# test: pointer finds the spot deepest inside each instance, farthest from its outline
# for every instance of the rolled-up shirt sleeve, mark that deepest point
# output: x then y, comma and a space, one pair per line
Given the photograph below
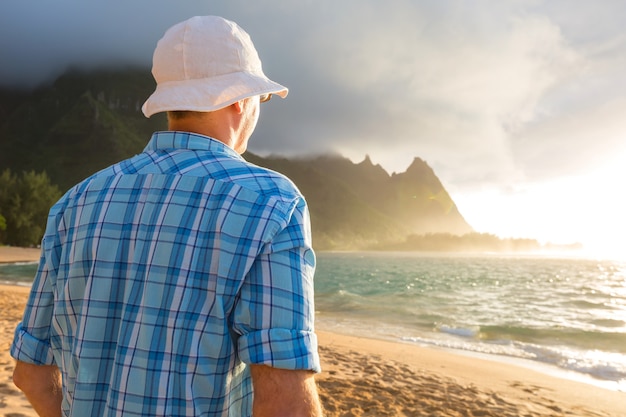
274, 316
31, 342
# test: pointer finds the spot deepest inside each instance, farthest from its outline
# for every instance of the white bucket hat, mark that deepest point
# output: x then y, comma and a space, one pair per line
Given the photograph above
204, 64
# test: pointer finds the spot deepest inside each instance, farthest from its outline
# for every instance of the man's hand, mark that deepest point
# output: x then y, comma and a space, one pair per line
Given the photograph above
42, 386
282, 392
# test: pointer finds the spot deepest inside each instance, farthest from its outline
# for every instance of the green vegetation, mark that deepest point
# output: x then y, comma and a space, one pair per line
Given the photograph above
24, 204
80, 124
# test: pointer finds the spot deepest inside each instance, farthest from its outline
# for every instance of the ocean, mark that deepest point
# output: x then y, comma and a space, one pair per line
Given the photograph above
563, 315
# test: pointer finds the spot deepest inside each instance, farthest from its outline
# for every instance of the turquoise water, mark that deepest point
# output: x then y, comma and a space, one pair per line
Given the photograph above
21, 273
563, 312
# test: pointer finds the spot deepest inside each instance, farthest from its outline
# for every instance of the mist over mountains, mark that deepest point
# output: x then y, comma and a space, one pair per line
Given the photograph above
86, 121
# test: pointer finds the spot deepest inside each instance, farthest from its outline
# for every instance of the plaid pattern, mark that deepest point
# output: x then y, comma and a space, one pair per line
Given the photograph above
162, 276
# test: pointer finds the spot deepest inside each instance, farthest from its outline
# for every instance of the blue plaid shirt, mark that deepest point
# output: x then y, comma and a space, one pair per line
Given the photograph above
162, 277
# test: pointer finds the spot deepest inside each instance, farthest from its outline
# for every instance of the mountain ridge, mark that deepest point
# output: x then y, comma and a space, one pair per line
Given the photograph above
85, 121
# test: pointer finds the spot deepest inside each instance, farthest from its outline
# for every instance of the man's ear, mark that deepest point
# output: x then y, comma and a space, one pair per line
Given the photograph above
238, 106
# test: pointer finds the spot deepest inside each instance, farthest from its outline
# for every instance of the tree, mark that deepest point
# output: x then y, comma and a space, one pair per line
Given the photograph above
24, 203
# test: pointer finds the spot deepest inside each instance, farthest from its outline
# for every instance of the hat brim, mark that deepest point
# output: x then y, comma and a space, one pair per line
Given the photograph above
205, 95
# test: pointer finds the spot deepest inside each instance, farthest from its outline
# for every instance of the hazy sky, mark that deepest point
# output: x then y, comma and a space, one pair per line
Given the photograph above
519, 106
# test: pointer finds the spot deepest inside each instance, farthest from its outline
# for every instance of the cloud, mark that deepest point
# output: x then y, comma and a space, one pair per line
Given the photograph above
41, 39
447, 84
489, 93
580, 119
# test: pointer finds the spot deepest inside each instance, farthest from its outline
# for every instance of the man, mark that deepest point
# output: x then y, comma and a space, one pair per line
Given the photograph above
179, 282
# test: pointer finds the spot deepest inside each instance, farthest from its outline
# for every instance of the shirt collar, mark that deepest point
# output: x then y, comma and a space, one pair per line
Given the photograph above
189, 141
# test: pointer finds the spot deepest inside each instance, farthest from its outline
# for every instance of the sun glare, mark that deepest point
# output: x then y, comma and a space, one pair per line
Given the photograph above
605, 226
587, 209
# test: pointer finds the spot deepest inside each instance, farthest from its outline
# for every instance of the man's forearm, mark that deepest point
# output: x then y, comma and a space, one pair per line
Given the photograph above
42, 386
281, 392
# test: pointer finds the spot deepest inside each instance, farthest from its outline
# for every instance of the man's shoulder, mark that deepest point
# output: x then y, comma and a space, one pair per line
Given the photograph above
203, 164
264, 181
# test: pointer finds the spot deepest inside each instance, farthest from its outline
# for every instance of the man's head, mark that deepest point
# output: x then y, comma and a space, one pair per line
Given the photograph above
206, 64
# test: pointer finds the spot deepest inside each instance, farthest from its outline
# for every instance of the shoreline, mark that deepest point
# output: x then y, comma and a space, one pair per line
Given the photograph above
327, 326
529, 391
528, 364
373, 377
541, 368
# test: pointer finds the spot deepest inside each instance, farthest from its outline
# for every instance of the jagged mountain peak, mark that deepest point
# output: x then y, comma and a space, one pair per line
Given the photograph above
367, 161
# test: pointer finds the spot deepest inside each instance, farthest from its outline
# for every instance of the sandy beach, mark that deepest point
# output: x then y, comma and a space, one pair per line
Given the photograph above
365, 377
14, 254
